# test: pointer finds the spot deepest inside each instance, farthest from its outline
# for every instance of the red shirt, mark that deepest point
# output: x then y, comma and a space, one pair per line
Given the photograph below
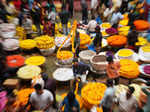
17, 4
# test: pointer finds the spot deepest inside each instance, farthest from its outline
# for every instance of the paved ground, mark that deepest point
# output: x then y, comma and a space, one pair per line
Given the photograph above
64, 87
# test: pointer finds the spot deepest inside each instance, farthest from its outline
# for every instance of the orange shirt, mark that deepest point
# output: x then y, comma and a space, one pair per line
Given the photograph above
113, 70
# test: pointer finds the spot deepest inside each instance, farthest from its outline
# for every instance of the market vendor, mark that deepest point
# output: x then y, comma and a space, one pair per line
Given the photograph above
132, 39
84, 11
77, 44
70, 103
35, 14
126, 101
97, 40
113, 70
79, 68
64, 16
52, 18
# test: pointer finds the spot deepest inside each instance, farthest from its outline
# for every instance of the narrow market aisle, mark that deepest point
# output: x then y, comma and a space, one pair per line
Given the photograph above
50, 67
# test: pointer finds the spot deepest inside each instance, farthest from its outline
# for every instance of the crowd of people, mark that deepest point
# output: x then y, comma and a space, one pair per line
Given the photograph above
26, 13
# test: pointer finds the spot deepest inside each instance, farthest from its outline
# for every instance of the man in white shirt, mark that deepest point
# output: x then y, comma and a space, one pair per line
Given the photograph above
41, 99
108, 13
127, 102
92, 25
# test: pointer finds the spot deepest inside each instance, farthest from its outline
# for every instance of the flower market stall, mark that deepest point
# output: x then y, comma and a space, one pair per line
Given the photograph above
68, 54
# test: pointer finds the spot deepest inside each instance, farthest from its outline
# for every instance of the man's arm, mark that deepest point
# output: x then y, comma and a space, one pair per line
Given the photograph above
50, 103
144, 89
51, 99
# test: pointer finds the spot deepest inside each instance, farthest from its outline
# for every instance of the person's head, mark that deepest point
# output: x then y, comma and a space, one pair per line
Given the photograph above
38, 88
117, 9
130, 91
93, 18
71, 98
75, 61
115, 25
110, 59
8, 1
44, 76
132, 37
109, 83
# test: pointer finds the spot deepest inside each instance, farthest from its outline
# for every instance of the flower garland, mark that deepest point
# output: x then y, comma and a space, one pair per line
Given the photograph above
27, 44
23, 96
129, 69
35, 60
141, 25
15, 61
117, 40
92, 93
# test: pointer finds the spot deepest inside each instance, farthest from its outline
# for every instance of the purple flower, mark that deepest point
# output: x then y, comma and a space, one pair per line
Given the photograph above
111, 31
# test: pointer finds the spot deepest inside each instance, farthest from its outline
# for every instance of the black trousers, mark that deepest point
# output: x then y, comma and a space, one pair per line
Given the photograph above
124, 6
38, 28
106, 109
84, 16
71, 11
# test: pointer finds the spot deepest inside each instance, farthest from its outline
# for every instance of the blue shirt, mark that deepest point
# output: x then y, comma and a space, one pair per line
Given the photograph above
30, 2
98, 20
148, 2
67, 106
